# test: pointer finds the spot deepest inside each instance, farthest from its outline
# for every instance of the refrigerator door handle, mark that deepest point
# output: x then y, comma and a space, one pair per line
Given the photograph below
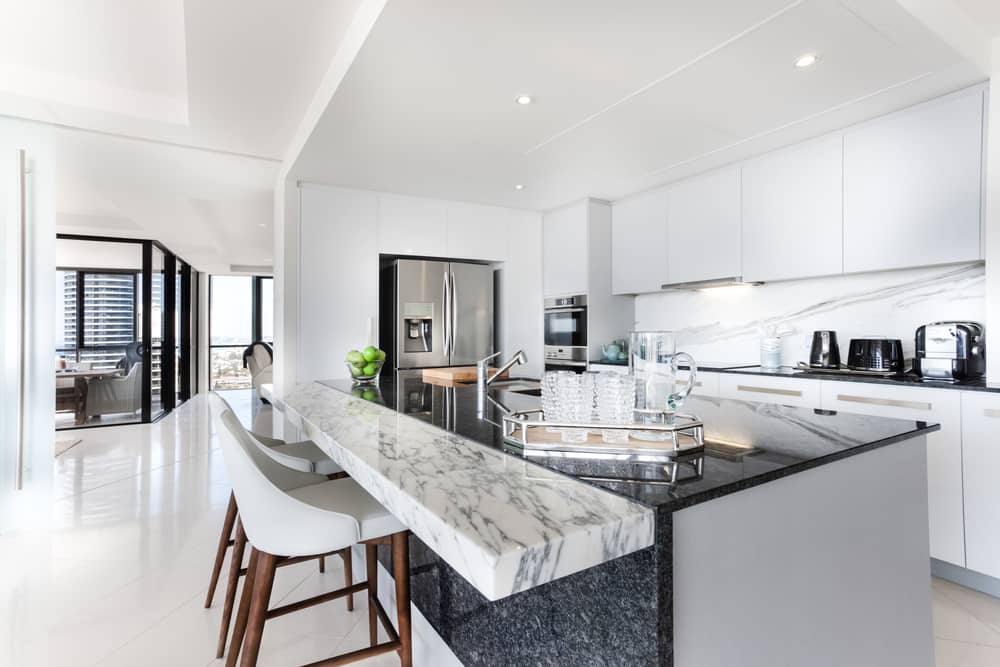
446, 315
454, 315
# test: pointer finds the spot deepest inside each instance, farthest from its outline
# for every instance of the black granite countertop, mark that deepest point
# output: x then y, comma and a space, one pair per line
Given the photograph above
907, 379
747, 443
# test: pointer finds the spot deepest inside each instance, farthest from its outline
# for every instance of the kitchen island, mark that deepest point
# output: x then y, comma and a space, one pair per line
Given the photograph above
802, 540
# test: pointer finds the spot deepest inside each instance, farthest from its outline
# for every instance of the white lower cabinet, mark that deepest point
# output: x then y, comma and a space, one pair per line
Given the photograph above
797, 392
981, 460
944, 449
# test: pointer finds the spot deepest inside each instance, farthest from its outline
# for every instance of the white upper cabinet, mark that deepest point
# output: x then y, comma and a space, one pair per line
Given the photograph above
793, 212
703, 227
566, 250
639, 244
477, 232
912, 186
412, 226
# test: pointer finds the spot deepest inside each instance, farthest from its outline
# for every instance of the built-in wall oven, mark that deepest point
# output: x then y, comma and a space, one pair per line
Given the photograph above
566, 333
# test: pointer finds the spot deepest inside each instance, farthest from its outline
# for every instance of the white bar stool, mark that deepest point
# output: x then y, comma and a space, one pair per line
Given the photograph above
284, 526
287, 472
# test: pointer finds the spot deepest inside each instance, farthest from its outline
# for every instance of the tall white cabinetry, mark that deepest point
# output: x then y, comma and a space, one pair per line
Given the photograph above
338, 278
566, 248
913, 184
577, 247
341, 233
793, 212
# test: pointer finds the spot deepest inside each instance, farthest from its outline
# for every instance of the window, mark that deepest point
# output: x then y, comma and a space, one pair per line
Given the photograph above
96, 316
241, 312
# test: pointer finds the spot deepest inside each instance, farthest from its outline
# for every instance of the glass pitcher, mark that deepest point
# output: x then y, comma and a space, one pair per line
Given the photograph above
654, 361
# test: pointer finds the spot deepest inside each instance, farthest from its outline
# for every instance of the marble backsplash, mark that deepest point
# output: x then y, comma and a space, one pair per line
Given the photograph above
724, 324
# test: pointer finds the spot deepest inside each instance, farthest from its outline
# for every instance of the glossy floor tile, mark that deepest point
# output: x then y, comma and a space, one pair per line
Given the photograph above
119, 577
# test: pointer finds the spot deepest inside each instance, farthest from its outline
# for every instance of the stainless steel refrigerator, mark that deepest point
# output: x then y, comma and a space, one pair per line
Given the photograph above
443, 313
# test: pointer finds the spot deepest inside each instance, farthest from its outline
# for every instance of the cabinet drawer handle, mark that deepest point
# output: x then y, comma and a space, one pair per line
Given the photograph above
769, 390
991, 412
697, 384
888, 402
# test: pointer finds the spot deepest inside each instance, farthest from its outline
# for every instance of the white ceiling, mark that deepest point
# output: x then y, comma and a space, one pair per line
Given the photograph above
229, 75
629, 94
986, 14
186, 108
212, 209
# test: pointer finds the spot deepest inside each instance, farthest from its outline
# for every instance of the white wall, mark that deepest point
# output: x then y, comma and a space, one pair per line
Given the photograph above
722, 325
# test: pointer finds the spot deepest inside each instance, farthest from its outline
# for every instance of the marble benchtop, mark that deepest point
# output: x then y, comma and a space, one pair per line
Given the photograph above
505, 524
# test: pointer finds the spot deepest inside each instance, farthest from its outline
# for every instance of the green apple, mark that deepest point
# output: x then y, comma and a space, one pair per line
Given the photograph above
371, 369
357, 370
381, 355
369, 395
355, 357
370, 353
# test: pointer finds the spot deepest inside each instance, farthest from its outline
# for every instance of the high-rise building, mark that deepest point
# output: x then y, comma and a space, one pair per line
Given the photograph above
110, 318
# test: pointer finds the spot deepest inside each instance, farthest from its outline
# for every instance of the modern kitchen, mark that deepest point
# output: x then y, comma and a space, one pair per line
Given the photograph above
649, 334
798, 336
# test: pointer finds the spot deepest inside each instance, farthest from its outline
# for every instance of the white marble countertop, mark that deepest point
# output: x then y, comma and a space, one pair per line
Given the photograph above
504, 524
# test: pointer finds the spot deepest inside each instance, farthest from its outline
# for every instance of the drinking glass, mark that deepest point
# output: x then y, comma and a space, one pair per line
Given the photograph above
615, 404
575, 404
654, 360
550, 406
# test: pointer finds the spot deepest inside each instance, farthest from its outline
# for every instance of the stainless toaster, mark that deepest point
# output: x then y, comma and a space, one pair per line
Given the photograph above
950, 351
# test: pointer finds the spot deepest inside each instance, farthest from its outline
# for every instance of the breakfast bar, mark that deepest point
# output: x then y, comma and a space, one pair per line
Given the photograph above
787, 538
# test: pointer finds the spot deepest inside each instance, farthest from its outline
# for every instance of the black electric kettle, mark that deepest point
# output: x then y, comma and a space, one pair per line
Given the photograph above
825, 352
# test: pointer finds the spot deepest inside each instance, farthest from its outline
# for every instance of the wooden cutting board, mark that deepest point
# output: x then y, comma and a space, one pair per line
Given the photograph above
453, 375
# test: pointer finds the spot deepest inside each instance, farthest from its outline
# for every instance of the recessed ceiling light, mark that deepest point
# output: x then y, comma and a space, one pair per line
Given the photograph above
518, 187
523, 99
807, 60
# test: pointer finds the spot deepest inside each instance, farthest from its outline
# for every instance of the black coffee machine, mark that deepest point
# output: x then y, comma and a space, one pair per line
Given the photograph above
825, 352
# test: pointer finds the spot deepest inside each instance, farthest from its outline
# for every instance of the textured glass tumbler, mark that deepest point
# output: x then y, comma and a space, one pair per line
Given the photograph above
615, 405
575, 404
550, 406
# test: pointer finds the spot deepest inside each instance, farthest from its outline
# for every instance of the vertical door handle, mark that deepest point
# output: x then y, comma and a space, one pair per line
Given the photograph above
454, 314
446, 314
22, 353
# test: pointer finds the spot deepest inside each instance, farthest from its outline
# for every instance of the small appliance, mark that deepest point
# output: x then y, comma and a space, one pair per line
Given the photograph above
950, 351
876, 354
825, 352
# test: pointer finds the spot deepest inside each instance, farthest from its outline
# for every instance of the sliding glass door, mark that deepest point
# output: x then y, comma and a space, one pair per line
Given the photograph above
123, 322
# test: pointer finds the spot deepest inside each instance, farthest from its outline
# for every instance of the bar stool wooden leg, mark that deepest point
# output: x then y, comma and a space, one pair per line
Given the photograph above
345, 555
239, 545
401, 573
262, 585
244, 611
225, 539
371, 565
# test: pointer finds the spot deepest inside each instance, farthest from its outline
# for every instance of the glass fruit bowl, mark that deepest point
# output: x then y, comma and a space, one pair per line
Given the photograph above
365, 373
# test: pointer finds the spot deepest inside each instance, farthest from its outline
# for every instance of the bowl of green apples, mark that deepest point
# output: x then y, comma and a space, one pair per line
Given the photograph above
365, 365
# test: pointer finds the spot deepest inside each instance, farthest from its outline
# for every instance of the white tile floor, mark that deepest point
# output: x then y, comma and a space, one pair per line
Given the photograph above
119, 578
